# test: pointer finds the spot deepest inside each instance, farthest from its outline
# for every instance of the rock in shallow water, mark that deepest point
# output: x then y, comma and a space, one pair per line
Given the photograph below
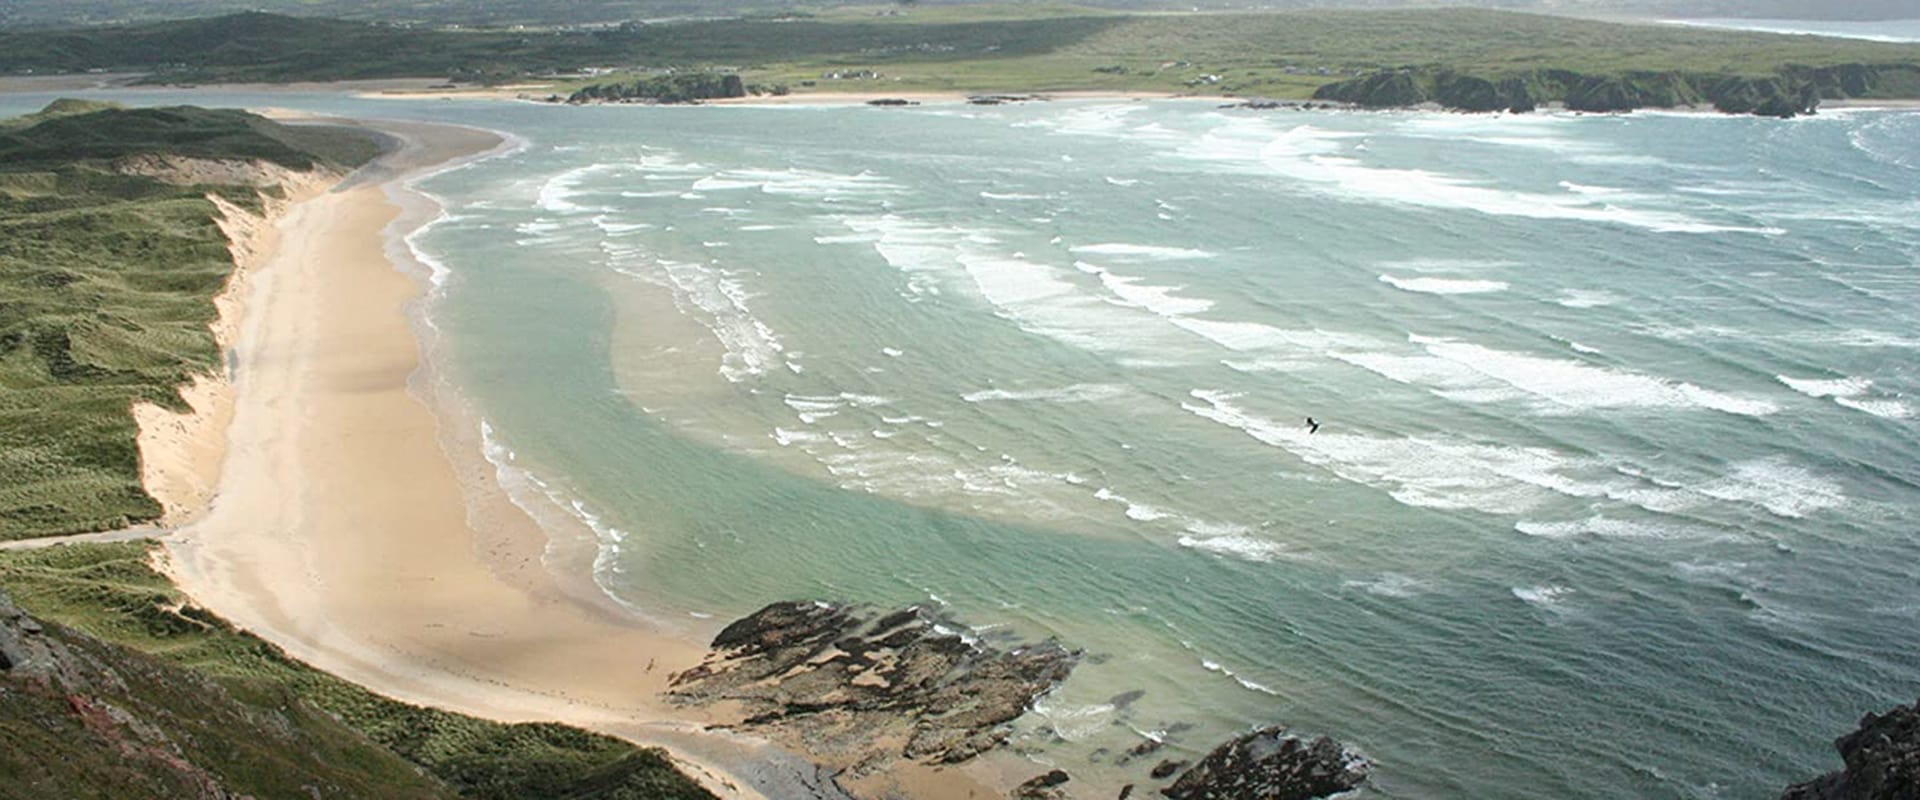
859, 688
1882, 757
1268, 764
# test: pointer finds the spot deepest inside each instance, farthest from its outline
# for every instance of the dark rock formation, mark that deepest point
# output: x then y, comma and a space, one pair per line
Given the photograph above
891, 101
1766, 97
1165, 769
690, 87
858, 688
1793, 91
1882, 758
1268, 764
1043, 787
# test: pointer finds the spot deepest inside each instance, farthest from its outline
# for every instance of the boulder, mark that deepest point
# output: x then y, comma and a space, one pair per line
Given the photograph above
1882, 761
1043, 787
1165, 769
1269, 764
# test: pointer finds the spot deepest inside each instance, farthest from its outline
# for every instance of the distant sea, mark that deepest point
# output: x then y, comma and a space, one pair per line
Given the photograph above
1615, 486
1898, 30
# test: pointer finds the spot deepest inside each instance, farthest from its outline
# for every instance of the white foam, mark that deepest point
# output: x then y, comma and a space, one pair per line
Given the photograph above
1157, 299
1850, 392
1324, 162
1586, 298
1447, 473
557, 195
1388, 584
1237, 545
1886, 409
1139, 512
1781, 487
1214, 666
1610, 528
720, 301
1074, 723
1143, 252
1546, 597
1574, 385
1443, 285
1077, 393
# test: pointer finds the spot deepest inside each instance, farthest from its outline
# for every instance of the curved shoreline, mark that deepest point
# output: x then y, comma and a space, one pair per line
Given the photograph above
341, 530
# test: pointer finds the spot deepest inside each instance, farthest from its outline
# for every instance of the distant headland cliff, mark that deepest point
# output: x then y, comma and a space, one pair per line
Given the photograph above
1793, 91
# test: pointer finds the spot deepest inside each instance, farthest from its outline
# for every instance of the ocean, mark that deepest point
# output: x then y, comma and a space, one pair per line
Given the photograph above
1893, 30
1614, 486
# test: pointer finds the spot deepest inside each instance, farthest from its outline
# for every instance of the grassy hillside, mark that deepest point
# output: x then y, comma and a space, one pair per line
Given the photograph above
61, 13
106, 287
1008, 47
153, 699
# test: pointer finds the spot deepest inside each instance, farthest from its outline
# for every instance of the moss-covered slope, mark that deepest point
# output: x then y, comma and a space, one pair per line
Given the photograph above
107, 282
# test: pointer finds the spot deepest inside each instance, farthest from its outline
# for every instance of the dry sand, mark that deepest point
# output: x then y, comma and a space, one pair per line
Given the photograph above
356, 526
339, 530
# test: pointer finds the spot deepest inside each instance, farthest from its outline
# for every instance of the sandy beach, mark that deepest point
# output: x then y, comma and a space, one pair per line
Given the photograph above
330, 501
340, 526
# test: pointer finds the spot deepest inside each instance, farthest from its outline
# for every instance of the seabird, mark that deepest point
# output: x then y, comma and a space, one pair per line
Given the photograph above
1312, 426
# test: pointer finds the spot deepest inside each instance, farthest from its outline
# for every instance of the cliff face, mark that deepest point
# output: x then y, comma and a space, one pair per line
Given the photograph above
1882, 758
1795, 91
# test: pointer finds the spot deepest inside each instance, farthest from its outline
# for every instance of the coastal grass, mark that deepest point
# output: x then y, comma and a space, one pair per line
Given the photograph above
109, 592
1005, 47
107, 282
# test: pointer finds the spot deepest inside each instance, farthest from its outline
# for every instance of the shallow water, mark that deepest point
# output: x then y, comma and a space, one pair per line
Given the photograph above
1613, 493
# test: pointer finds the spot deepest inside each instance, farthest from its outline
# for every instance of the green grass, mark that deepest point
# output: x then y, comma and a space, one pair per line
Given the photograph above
1011, 47
106, 294
233, 680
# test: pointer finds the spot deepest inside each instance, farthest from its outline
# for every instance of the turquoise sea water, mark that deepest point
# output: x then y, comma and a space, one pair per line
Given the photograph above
1614, 493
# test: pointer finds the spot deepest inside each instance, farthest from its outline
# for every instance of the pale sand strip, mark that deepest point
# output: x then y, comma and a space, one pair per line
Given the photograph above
181, 452
340, 528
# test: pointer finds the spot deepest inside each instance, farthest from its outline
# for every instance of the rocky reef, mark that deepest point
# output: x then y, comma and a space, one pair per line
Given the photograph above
858, 689
1269, 764
861, 688
1882, 761
1794, 91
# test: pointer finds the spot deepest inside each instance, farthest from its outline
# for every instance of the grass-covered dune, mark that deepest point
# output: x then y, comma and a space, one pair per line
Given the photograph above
126, 692
107, 282
986, 48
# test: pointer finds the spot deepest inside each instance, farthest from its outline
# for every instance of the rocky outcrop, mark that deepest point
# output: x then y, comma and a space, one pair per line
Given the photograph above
686, 87
1882, 758
1269, 764
857, 688
1794, 91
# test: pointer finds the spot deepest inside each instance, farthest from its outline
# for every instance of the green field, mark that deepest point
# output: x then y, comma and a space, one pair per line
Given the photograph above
963, 48
234, 708
106, 294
